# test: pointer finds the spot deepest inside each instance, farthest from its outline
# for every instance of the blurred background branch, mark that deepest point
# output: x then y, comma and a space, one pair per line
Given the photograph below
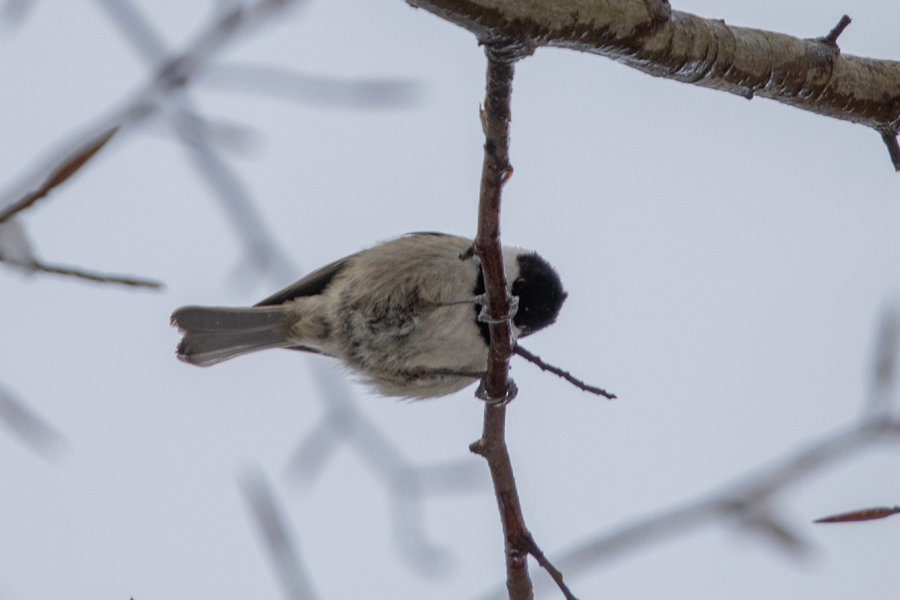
28, 427
166, 94
17, 252
279, 541
406, 484
639, 321
750, 502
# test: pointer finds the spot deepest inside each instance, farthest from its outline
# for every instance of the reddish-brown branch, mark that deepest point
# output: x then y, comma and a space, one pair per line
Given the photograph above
492, 446
810, 74
497, 389
535, 359
495, 118
538, 555
495, 121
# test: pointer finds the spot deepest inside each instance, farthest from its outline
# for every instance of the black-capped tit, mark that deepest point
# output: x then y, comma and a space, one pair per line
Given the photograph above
400, 315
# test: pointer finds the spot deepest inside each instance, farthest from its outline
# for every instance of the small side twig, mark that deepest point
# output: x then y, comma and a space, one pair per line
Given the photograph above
833, 35
890, 140
312, 90
747, 502
535, 359
538, 555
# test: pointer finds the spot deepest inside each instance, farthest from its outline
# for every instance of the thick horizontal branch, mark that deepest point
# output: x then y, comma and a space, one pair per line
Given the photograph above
648, 35
745, 502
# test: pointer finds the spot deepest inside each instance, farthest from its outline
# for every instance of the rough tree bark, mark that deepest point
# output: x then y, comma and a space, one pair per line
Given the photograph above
811, 74
497, 389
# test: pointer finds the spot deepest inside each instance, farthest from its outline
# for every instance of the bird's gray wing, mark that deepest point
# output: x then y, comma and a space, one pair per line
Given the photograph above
317, 281
310, 285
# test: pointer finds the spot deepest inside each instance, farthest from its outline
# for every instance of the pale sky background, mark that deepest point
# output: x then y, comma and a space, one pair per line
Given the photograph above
726, 260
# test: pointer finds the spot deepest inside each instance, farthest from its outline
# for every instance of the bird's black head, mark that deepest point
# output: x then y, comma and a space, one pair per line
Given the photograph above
540, 294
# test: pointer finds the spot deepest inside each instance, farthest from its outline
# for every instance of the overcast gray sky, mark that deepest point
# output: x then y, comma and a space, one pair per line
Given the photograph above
726, 260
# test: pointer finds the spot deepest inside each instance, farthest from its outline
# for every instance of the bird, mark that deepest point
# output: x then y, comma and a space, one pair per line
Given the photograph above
404, 315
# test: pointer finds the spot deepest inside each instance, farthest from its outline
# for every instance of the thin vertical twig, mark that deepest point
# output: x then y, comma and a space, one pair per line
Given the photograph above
496, 170
495, 117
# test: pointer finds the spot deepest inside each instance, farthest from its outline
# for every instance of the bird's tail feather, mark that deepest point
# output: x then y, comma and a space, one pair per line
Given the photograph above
212, 335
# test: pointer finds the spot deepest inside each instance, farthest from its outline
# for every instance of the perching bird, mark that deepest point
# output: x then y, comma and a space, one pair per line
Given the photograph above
400, 315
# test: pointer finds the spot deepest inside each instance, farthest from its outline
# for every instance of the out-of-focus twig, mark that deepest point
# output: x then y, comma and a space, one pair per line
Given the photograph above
748, 502
15, 247
884, 363
167, 96
16, 252
173, 73
176, 71
343, 420
866, 514
14, 12
407, 484
261, 250
28, 427
60, 174
126, 280
326, 92
294, 579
